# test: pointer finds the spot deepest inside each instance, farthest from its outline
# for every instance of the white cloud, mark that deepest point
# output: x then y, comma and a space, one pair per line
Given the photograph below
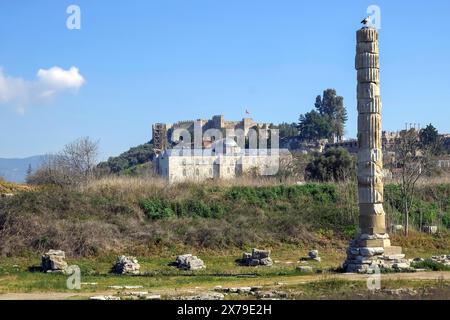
59, 78
48, 83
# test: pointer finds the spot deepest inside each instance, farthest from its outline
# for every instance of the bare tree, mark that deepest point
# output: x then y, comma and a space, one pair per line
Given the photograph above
74, 165
413, 160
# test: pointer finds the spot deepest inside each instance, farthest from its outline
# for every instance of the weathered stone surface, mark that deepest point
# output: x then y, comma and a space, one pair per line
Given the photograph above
371, 251
189, 262
313, 254
370, 47
372, 223
256, 258
54, 261
367, 35
368, 90
104, 298
375, 243
266, 262
126, 265
369, 75
369, 105
203, 296
365, 236
367, 60
392, 250
260, 254
367, 155
370, 194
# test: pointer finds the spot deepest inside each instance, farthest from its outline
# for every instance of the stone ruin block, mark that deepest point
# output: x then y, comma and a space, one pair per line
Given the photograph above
54, 261
256, 258
189, 262
126, 265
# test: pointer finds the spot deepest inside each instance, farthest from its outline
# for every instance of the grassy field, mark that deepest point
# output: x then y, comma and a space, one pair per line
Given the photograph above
22, 275
216, 221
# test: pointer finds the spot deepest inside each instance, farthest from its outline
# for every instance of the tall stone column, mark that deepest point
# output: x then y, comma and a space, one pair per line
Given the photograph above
372, 246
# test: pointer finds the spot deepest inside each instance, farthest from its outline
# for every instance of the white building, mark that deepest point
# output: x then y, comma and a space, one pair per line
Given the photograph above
223, 159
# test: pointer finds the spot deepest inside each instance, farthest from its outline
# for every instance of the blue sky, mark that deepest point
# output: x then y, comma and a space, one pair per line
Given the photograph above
163, 61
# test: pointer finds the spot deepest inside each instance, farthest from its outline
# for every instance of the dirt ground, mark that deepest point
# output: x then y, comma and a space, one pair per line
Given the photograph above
417, 276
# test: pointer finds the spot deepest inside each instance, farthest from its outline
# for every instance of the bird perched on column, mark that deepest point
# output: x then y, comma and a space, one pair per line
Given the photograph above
366, 21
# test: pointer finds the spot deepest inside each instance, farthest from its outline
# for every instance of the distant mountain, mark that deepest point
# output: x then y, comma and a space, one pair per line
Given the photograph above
15, 170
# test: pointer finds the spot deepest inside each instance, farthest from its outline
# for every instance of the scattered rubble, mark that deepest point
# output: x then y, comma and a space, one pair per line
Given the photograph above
104, 298
139, 295
238, 290
125, 287
368, 253
444, 259
54, 261
126, 265
272, 295
189, 262
256, 258
203, 296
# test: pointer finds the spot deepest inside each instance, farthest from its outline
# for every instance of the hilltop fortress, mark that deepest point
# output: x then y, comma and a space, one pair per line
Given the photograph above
166, 135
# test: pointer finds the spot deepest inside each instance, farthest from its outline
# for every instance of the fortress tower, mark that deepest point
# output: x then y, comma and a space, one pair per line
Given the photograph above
372, 247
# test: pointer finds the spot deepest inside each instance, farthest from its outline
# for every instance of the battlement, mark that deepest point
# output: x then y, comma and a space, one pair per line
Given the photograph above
216, 122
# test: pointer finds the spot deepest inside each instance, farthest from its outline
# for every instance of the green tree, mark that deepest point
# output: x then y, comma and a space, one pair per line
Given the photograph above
413, 161
287, 130
331, 106
430, 139
335, 164
328, 119
129, 159
313, 126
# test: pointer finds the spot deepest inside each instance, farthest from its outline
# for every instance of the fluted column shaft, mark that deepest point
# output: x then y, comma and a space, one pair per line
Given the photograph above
370, 157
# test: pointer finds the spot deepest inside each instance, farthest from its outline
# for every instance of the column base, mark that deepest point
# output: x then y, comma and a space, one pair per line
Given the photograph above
367, 252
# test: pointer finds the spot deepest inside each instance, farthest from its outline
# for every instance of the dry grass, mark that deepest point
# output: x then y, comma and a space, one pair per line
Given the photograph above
133, 189
425, 181
8, 187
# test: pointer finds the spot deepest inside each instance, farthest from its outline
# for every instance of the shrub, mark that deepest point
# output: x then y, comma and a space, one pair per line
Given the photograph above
157, 208
430, 265
335, 164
